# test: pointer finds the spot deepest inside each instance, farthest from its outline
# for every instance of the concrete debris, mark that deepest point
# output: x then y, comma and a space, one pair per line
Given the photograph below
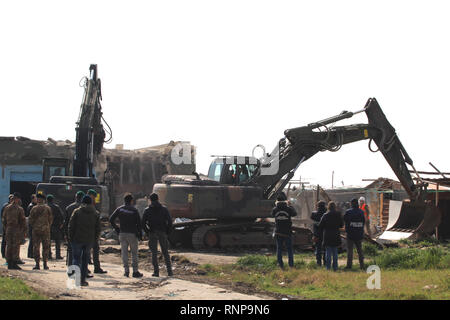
111, 250
108, 241
110, 234
429, 287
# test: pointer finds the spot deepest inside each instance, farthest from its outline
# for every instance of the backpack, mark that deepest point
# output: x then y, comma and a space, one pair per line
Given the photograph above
283, 223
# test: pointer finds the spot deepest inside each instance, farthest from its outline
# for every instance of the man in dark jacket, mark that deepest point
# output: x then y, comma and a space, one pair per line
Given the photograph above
283, 228
316, 216
96, 246
157, 223
69, 211
130, 232
84, 231
30, 231
329, 226
56, 230
354, 226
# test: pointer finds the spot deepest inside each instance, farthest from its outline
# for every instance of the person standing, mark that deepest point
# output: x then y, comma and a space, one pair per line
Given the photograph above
365, 208
30, 231
282, 212
56, 230
83, 231
329, 226
10, 200
69, 211
40, 221
130, 232
157, 223
14, 223
316, 216
354, 227
96, 246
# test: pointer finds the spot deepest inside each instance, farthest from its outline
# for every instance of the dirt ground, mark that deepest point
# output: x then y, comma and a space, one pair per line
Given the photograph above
187, 283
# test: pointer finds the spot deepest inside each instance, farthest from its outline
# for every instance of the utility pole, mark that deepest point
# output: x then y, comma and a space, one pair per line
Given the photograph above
332, 179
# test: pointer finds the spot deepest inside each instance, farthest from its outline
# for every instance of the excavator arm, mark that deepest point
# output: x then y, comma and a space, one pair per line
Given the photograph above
90, 134
300, 144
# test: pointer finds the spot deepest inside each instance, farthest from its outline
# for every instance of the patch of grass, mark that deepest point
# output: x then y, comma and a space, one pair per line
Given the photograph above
424, 242
413, 258
369, 249
406, 242
15, 289
312, 265
406, 273
258, 262
298, 264
209, 268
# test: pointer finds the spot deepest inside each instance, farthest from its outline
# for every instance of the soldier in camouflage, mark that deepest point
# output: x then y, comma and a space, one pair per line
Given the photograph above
10, 200
41, 219
14, 224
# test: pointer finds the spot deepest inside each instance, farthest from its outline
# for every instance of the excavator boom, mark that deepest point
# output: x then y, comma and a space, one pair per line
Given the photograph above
302, 143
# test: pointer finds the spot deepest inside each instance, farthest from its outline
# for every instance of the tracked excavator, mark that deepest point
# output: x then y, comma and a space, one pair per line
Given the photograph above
222, 210
90, 137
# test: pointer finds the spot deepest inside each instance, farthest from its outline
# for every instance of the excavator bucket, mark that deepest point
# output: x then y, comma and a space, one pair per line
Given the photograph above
409, 220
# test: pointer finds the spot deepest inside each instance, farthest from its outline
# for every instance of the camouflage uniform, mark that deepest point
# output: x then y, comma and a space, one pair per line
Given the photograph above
14, 222
41, 219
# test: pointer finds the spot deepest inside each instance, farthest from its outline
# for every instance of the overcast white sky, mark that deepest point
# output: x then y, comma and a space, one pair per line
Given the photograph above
228, 75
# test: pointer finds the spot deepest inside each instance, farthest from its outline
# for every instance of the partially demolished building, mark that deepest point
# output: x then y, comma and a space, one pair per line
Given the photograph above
122, 170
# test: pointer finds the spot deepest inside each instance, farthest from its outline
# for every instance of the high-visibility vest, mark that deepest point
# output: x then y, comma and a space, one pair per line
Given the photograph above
363, 208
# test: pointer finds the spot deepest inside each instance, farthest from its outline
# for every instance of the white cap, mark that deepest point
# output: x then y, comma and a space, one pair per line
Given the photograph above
362, 199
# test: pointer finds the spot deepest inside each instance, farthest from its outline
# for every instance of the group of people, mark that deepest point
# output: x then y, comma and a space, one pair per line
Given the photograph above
46, 222
156, 223
327, 236
328, 222
80, 227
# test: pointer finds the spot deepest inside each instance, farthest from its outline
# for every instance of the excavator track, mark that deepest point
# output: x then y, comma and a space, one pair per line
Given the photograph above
205, 237
244, 235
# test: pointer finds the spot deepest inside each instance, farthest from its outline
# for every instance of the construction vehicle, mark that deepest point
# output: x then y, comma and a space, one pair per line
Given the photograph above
222, 209
90, 137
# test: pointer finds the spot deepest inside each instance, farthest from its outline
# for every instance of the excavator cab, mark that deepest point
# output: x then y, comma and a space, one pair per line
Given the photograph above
232, 170
54, 167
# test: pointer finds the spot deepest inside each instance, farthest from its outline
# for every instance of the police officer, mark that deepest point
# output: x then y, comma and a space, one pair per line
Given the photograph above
57, 226
69, 210
30, 231
96, 246
354, 226
316, 216
14, 223
40, 220
282, 212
